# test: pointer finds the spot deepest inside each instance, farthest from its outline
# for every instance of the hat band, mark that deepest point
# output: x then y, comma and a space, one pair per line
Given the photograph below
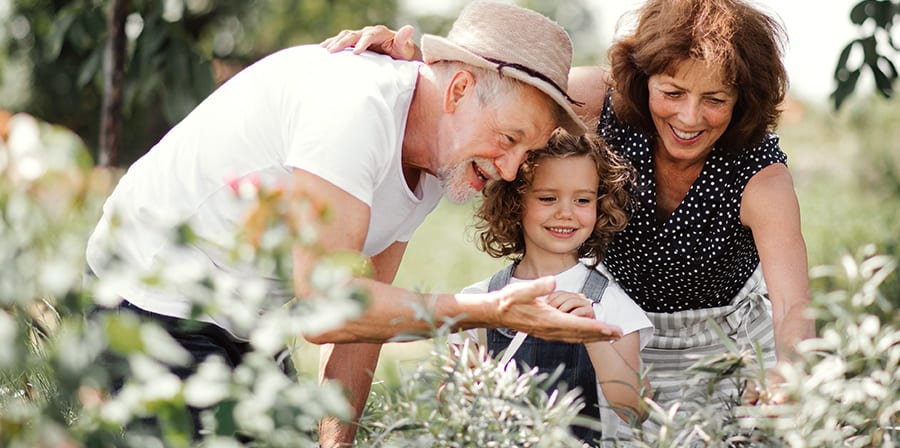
534, 73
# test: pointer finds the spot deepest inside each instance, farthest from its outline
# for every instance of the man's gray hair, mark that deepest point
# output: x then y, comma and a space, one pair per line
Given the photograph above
490, 85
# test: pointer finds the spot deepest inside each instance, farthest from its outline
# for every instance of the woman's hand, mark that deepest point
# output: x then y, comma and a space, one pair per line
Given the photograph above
770, 393
378, 38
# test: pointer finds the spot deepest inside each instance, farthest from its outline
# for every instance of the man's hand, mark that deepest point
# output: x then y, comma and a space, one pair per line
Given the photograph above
377, 38
519, 308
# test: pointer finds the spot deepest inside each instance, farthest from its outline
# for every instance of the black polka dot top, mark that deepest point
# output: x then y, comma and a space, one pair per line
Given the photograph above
702, 255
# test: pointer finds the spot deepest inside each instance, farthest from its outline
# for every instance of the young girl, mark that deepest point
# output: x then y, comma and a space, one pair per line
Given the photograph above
556, 218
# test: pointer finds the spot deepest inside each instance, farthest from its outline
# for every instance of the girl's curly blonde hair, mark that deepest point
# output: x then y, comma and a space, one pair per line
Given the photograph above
499, 215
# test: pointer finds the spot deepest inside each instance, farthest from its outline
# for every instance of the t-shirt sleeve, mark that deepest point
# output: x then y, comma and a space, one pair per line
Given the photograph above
343, 137
617, 308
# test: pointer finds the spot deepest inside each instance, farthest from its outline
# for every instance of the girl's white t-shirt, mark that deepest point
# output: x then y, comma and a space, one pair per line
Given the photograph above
615, 307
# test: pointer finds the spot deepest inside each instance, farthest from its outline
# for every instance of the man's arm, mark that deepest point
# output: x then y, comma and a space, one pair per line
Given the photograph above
391, 310
354, 364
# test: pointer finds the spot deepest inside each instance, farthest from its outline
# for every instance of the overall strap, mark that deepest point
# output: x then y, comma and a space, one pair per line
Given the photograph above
595, 285
501, 278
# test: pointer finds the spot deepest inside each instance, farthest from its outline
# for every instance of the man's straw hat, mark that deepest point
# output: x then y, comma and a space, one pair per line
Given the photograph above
517, 42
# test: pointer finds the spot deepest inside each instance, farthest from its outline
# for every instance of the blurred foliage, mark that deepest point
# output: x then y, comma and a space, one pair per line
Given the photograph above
874, 51
845, 168
469, 401
170, 57
56, 369
54, 389
178, 50
55, 383
844, 388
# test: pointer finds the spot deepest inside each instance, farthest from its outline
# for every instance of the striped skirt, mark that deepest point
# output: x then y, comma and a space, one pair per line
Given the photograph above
681, 339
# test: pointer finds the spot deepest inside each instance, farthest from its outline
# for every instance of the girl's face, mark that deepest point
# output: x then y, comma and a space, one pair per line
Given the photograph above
560, 208
690, 109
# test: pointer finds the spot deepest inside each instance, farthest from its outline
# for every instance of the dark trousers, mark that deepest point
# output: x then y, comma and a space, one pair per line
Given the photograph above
547, 356
200, 339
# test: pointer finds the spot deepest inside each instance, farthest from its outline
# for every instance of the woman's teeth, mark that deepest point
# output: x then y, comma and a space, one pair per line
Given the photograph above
686, 135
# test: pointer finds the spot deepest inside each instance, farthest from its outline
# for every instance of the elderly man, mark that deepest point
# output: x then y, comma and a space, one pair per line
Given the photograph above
379, 141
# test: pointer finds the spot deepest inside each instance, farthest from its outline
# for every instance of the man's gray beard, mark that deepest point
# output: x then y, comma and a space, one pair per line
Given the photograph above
454, 185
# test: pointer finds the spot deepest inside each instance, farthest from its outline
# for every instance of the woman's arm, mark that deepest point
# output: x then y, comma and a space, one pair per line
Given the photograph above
771, 210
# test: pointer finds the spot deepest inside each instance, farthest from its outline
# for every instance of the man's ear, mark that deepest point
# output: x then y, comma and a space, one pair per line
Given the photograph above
460, 87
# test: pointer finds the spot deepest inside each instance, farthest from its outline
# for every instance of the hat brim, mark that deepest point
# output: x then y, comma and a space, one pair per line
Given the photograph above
436, 48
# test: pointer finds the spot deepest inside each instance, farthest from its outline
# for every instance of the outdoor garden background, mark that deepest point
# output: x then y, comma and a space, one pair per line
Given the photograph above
82, 105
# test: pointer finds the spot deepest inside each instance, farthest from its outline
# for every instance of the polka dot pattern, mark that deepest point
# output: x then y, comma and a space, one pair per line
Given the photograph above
702, 255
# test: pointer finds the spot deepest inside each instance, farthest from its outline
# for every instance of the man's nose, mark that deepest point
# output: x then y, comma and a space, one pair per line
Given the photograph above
508, 165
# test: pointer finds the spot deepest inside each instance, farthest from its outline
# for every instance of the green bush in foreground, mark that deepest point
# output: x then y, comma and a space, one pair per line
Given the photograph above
54, 388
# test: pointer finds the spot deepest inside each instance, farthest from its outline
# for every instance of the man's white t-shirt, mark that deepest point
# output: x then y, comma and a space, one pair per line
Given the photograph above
615, 307
339, 116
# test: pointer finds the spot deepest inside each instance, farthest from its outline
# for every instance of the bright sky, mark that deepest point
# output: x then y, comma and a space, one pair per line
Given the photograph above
817, 32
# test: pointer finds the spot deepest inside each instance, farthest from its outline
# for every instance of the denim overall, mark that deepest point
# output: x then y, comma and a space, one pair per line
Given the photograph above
547, 356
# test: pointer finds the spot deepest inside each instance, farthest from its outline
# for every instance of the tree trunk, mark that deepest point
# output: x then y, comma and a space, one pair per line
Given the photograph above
113, 80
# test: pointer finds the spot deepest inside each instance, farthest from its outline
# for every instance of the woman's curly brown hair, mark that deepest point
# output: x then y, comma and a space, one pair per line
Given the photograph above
731, 35
499, 230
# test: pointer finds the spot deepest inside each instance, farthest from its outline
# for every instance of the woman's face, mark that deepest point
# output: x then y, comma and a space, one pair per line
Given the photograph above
691, 109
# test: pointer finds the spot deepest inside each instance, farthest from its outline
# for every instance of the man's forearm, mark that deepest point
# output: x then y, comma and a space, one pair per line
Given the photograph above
352, 365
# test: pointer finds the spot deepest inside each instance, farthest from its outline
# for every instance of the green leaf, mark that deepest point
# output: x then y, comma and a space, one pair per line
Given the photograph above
61, 25
176, 424
123, 331
841, 66
845, 88
224, 413
885, 75
91, 67
861, 11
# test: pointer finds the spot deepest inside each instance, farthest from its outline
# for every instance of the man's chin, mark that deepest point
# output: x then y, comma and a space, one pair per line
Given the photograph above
460, 195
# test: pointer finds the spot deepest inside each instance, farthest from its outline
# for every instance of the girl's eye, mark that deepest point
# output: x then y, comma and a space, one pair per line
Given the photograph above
584, 201
546, 198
